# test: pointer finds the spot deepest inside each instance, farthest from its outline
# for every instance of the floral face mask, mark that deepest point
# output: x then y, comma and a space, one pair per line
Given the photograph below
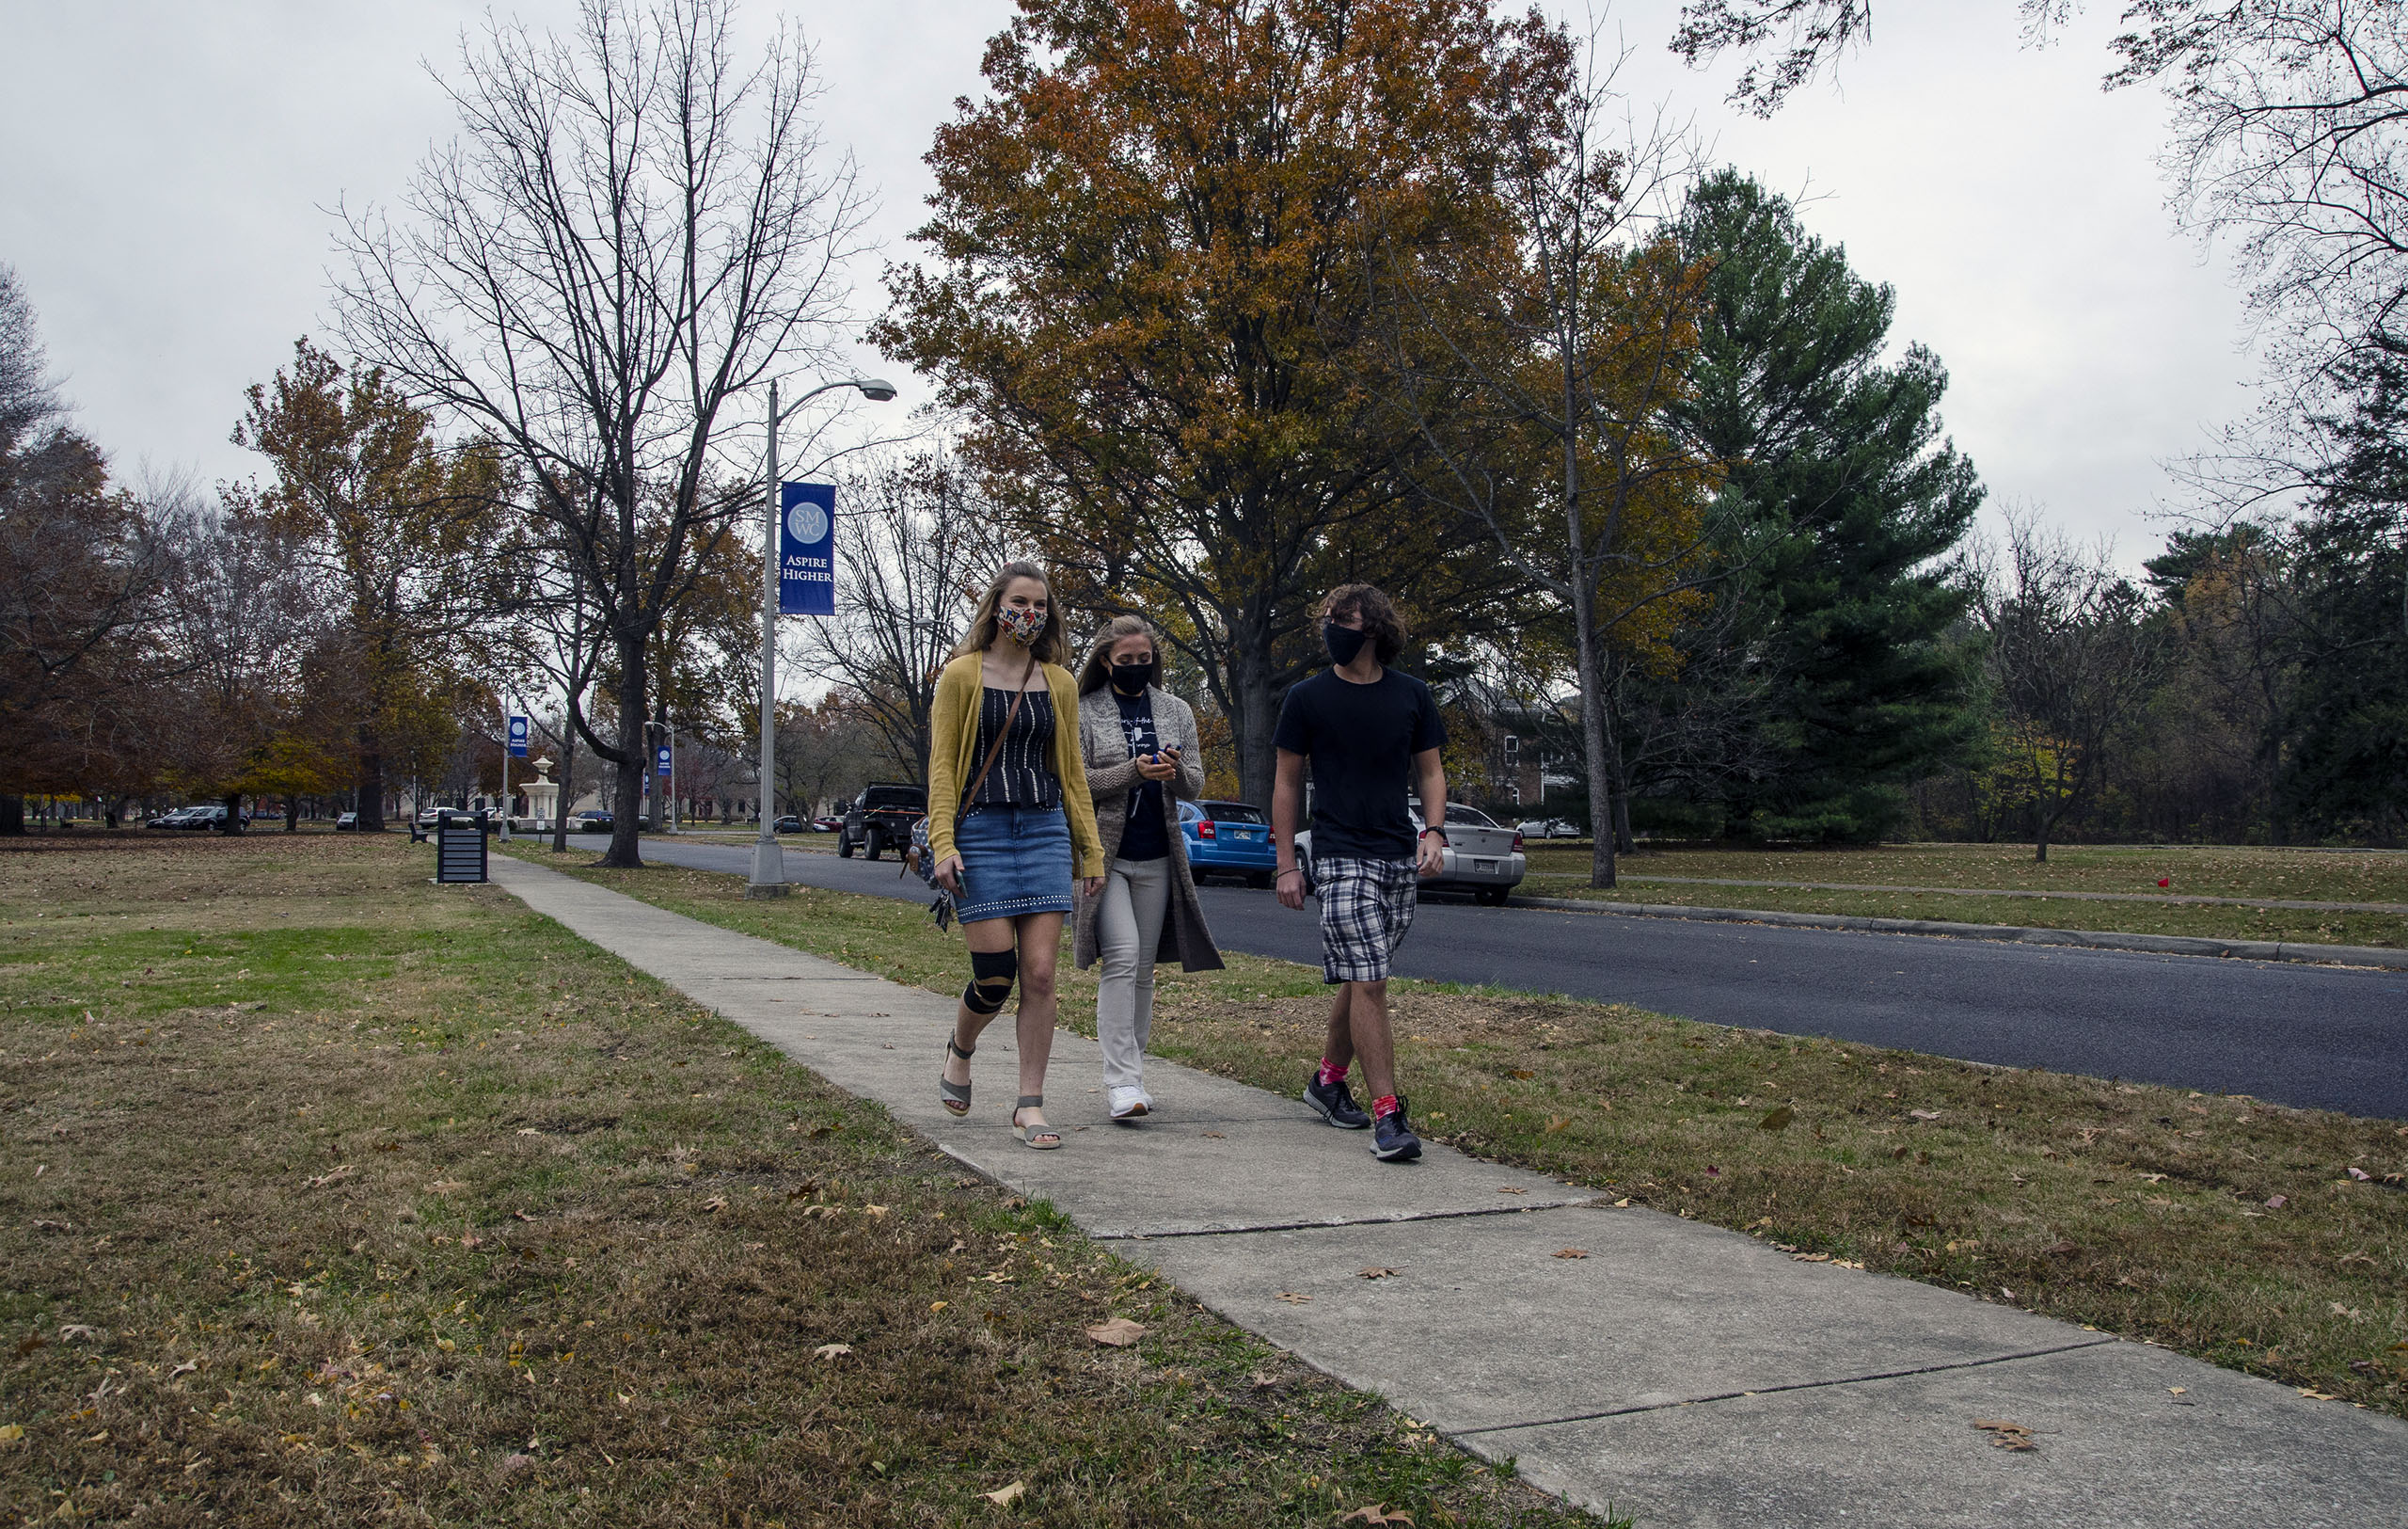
1022, 624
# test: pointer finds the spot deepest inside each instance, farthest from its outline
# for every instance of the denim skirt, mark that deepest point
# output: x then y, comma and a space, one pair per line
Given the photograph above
1014, 861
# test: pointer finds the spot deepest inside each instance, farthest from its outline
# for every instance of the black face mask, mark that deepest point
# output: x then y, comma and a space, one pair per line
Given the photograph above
1344, 642
1131, 678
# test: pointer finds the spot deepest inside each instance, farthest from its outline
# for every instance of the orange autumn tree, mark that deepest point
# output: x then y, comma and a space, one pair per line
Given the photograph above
1153, 297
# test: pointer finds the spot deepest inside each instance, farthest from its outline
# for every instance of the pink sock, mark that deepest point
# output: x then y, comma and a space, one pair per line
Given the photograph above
1330, 1073
1385, 1104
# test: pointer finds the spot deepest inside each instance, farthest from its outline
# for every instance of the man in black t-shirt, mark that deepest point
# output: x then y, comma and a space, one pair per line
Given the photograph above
1370, 733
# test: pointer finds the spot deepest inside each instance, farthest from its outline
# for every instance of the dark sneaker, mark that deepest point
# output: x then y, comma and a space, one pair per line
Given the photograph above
1392, 1140
1336, 1103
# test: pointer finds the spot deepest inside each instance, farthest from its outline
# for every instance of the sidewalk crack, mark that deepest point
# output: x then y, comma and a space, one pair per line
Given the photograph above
1332, 1224
1796, 1385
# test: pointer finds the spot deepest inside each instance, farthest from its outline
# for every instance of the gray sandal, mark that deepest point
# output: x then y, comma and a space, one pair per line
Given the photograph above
1042, 1137
955, 1096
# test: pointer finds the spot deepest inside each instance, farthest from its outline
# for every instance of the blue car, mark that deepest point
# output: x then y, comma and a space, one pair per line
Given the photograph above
1228, 839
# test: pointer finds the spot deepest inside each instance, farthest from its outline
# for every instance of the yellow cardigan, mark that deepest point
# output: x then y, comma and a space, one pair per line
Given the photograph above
953, 759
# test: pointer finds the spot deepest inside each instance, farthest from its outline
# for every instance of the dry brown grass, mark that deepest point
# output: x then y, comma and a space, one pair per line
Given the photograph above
332, 1197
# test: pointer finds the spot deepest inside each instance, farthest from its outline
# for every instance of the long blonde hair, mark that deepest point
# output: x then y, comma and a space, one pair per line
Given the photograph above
1097, 672
1052, 644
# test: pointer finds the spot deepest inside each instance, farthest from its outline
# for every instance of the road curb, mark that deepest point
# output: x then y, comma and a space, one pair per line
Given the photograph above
2087, 939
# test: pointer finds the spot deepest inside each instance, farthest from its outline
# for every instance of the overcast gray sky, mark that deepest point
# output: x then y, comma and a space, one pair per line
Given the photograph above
169, 166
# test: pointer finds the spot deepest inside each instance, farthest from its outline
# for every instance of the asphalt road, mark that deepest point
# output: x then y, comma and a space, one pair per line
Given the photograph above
2309, 1036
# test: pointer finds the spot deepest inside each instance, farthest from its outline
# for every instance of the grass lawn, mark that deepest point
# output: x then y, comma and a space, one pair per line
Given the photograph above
2236, 1231
330, 1196
2293, 875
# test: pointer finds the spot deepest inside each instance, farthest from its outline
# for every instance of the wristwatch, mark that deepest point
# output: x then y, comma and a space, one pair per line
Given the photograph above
1435, 828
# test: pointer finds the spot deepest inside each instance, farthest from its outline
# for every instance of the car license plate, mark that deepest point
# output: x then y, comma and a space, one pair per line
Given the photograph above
1244, 835
1483, 865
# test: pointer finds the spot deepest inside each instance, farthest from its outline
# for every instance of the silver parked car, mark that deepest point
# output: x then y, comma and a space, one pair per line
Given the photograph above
1550, 828
1482, 856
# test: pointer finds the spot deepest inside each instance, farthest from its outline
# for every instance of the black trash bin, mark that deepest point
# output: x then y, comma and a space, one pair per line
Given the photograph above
459, 847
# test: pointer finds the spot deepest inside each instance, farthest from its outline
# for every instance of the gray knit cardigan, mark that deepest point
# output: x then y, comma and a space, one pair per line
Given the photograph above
1111, 776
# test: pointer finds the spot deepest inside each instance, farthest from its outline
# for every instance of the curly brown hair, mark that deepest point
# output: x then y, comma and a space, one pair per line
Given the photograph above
1379, 615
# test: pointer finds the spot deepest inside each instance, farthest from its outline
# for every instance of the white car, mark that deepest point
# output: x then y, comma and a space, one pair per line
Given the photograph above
1482, 856
1550, 828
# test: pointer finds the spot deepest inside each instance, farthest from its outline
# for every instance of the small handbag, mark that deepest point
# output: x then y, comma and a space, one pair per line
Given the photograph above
919, 857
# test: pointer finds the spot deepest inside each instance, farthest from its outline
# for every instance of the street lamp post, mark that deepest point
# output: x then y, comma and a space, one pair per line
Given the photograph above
769, 864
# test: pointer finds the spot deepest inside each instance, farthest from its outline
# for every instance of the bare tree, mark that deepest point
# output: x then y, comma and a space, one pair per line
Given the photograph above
631, 232
922, 545
2071, 661
82, 564
1788, 44
1575, 336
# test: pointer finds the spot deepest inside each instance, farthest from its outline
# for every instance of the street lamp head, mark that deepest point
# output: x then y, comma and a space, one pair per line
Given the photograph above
876, 390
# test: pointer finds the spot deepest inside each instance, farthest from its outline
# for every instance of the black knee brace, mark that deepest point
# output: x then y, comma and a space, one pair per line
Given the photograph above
991, 979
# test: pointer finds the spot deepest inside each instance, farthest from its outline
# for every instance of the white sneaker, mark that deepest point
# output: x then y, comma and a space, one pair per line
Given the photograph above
1129, 1102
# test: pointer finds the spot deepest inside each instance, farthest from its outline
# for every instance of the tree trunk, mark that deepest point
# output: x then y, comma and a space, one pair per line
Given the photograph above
291, 813
566, 800
1253, 719
233, 801
12, 814
627, 798
1622, 841
1596, 742
371, 784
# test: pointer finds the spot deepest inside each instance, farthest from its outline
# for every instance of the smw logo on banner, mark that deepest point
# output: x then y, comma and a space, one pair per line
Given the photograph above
806, 549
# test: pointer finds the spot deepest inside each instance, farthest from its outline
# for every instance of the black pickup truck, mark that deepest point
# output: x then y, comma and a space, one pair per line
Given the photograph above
880, 818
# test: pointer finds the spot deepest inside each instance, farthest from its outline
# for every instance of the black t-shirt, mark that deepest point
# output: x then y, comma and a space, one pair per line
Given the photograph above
1361, 740
1143, 838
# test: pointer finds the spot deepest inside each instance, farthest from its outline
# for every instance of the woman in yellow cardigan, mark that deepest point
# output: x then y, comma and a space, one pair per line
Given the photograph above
1010, 824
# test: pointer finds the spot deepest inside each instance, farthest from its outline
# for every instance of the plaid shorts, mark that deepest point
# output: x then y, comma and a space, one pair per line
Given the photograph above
1365, 907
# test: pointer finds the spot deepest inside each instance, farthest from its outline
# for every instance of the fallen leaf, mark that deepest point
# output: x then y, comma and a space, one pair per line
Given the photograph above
2176, 1391
12, 1433
1377, 1272
1777, 1119
1572, 1253
938, 1305
1621, 1204
832, 1351
2006, 1435
1292, 1298
332, 1176
2059, 1250
715, 1203
78, 1332
185, 1368
1522, 1073
1007, 1496
1510, 1190
528, 1130
1925, 1114
2278, 1202
1216, 1136
1376, 1515
1117, 1334
2360, 1177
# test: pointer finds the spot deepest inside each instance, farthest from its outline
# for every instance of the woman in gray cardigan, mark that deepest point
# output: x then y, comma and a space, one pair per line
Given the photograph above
1142, 758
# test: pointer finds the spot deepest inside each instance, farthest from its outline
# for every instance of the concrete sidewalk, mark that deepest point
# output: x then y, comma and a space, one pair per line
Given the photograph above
1681, 1373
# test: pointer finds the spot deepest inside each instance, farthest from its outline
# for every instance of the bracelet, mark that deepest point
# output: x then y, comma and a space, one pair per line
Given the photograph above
1293, 870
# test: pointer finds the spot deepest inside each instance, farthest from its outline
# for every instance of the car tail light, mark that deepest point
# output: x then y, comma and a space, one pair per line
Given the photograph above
1207, 828
1517, 841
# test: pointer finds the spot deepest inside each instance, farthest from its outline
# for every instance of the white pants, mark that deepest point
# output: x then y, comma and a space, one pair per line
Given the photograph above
1128, 930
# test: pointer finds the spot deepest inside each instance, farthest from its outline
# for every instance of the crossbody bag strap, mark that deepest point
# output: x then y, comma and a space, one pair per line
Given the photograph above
1001, 736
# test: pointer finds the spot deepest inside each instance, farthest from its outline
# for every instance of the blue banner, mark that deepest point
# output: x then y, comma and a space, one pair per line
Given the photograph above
518, 738
660, 760
806, 549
